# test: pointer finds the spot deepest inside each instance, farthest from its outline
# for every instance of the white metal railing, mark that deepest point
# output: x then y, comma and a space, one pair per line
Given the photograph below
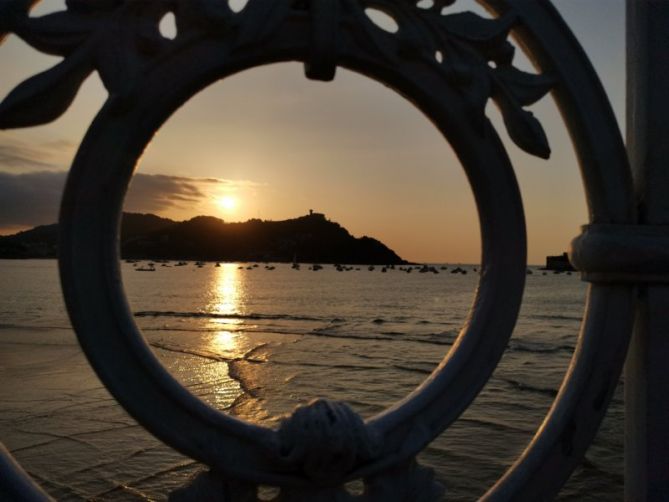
441, 63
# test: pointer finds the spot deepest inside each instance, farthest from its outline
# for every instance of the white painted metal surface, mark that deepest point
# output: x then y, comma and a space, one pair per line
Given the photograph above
441, 63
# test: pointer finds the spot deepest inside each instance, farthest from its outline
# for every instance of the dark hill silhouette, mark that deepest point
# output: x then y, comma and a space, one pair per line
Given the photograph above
310, 238
42, 241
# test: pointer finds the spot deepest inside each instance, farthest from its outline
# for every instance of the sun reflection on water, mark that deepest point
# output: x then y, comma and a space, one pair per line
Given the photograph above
227, 295
226, 339
228, 291
225, 342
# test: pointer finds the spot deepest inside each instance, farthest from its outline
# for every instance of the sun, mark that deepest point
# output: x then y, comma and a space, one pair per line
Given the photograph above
227, 203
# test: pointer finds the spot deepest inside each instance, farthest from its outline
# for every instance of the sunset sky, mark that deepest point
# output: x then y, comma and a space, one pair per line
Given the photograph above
270, 144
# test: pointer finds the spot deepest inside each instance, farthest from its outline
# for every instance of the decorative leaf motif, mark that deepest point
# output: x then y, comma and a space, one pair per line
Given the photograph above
120, 37
475, 57
59, 33
525, 88
524, 129
12, 12
514, 89
46, 96
473, 28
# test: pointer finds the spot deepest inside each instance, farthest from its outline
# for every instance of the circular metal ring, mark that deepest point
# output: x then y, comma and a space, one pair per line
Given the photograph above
89, 258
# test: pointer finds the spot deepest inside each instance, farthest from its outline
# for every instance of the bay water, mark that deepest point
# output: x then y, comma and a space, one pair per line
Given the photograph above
256, 340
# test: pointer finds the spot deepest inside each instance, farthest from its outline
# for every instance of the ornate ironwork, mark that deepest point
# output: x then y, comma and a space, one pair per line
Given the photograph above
449, 66
120, 38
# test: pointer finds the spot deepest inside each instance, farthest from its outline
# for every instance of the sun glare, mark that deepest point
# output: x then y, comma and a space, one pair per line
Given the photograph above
227, 203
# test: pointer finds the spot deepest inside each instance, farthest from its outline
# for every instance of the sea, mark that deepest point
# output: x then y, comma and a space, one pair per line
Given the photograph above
256, 340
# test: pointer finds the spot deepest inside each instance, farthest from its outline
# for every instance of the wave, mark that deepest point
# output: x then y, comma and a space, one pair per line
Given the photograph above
538, 348
254, 316
522, 386
212, 356
413, 369
33, 327
556, 317
441, 339
496, 424
212, 315
235, 371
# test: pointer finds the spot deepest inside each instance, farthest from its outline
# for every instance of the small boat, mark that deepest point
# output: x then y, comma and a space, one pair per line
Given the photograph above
145, 269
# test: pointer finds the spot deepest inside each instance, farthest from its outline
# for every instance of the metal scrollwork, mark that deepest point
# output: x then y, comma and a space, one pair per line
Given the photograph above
449, 66
118, 38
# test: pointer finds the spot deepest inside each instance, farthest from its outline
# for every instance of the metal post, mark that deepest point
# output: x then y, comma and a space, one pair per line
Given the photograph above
647, 370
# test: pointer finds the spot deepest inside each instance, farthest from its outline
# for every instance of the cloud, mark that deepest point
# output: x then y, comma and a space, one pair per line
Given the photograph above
17, 155
30, 199
33, 198
156, 193
14, 155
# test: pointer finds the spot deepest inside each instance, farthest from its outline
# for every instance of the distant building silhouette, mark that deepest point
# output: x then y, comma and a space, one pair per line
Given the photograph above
560, 263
